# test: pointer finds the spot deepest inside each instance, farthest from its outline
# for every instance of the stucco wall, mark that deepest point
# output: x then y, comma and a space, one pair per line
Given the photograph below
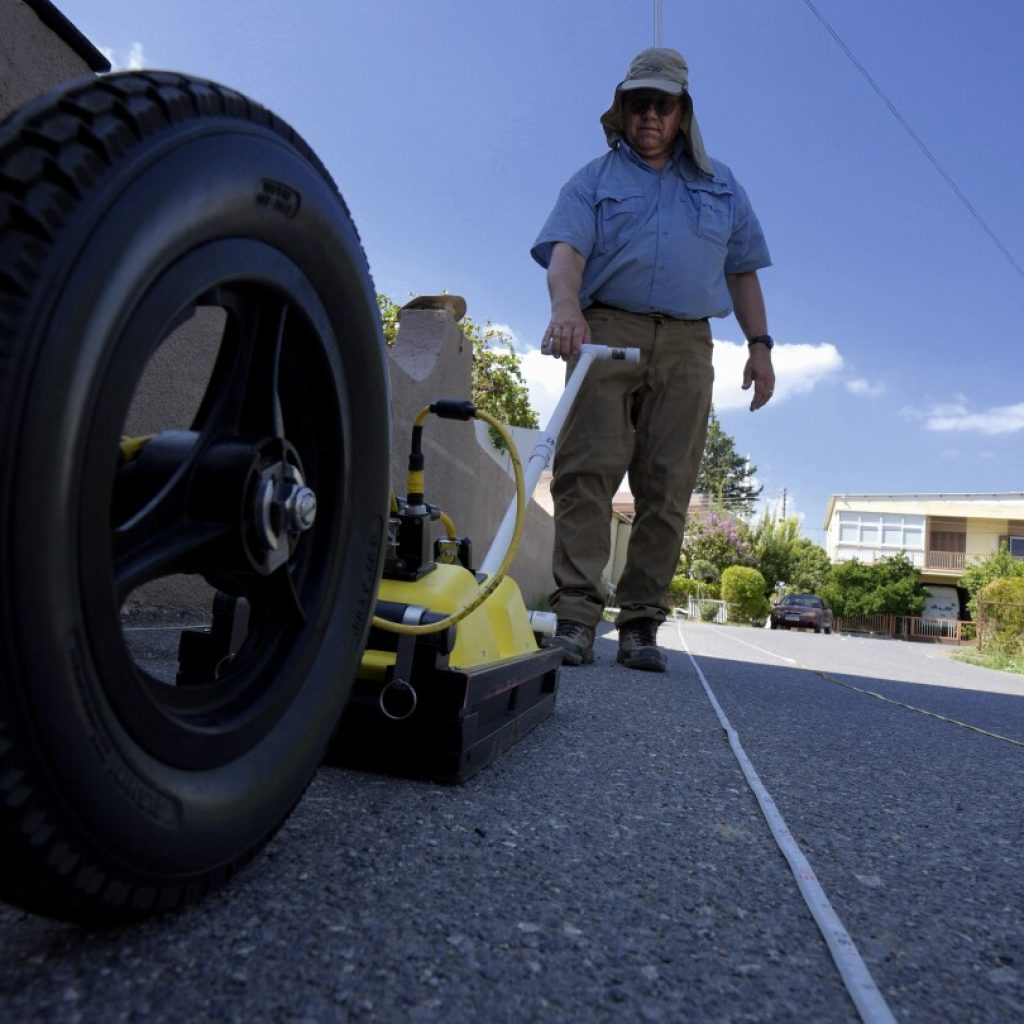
33, 58
432, 359
982, 536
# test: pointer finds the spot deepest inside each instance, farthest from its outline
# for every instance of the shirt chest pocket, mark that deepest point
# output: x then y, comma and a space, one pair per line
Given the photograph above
714, 210
619, 215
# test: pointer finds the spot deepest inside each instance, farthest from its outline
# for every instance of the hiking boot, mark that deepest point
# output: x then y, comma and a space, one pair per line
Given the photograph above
638, 646
576, 641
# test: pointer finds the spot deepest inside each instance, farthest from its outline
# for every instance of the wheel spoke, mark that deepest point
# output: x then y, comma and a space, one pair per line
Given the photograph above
241, 396
160, 539
274, 598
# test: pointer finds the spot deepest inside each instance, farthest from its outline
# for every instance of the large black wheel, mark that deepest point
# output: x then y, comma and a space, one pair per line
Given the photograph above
159, 228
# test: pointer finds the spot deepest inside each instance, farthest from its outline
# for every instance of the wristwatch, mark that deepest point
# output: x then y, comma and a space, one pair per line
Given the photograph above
763, 339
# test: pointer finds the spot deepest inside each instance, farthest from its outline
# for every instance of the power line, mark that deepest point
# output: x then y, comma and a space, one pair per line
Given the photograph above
910, 131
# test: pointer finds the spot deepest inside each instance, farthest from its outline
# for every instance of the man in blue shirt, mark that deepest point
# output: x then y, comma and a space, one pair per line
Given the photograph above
643, 246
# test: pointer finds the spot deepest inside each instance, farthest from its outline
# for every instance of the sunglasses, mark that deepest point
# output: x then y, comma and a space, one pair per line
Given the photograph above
637, 103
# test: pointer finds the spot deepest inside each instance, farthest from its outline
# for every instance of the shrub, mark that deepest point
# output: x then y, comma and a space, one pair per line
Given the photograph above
999, 565
743, 590
889, 586
681, 589
708, 611
1001, 606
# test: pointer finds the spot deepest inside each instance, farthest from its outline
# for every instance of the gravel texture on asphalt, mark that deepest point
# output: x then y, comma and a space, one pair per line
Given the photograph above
614, 865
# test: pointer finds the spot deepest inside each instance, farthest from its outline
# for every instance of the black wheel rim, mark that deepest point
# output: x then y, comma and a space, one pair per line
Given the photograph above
249, 496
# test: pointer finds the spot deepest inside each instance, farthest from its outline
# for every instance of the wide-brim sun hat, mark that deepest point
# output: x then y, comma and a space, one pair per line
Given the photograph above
665, 70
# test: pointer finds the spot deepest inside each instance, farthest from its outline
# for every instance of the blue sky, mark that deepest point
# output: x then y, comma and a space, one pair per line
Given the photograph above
449, 126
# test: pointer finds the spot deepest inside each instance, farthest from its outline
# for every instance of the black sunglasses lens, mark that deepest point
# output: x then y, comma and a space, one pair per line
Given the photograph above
662, 104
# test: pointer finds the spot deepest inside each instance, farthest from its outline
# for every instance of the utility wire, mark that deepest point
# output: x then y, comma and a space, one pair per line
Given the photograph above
924, 149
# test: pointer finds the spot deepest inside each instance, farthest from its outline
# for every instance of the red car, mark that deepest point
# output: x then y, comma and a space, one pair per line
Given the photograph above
801, 611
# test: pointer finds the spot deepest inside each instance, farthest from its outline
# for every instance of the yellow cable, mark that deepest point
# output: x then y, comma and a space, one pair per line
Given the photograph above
489, 587
131, 446
449, 526
414, 478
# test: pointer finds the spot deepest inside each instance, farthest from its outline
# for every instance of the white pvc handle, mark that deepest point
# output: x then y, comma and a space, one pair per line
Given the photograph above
544, 449
544, 623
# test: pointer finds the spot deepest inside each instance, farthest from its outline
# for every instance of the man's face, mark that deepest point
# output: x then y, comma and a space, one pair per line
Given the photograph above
650, 121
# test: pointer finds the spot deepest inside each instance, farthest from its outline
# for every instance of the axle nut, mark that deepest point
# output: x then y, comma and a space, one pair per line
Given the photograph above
300, 509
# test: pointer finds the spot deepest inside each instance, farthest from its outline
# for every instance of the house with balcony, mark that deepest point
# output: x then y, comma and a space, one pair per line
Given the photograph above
940, 533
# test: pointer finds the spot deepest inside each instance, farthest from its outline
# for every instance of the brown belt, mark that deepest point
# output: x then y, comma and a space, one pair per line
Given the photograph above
652, 316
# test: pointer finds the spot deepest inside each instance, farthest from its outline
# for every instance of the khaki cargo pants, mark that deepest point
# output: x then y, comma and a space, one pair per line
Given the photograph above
651, 419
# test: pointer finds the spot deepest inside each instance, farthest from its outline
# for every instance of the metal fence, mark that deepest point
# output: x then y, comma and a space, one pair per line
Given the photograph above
701, 611
909, 627
874, 625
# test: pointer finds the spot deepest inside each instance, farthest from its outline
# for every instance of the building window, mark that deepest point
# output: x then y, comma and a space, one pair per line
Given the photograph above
892, 533
945, 540
879, 534
870, 536
1017, 547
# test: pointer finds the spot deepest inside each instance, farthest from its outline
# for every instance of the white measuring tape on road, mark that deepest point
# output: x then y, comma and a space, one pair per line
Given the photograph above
870, 1002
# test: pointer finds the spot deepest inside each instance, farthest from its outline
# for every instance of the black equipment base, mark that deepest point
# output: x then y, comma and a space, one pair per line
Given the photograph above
464, 719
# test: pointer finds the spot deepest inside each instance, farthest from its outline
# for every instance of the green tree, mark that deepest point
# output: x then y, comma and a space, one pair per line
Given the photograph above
497, 384
888, 586
998, 566
809, 568
773, 543
725, 475
388, 317
743, 590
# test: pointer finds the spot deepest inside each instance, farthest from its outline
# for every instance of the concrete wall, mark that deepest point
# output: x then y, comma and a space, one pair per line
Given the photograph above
432, 359
37, 54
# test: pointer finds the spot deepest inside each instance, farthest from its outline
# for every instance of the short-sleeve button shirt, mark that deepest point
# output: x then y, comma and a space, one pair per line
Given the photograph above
656, 242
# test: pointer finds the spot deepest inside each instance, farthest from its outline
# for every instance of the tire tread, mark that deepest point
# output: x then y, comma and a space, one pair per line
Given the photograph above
52, 153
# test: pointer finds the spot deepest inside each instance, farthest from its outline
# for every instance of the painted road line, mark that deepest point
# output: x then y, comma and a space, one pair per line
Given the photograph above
829, 678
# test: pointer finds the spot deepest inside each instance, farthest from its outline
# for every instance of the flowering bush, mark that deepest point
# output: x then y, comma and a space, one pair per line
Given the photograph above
713, 542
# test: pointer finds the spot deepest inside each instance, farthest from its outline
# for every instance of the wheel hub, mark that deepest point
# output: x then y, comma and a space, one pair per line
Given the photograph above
283, 509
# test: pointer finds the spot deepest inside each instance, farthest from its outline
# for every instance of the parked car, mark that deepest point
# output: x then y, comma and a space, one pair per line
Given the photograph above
800, 611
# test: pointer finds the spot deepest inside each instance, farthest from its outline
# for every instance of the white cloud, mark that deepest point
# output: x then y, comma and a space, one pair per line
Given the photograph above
863, 387
136, 58
545, 378
954, 416
798, 369
779, 506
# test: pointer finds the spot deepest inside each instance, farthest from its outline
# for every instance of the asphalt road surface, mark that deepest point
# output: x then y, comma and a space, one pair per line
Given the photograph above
614, 865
